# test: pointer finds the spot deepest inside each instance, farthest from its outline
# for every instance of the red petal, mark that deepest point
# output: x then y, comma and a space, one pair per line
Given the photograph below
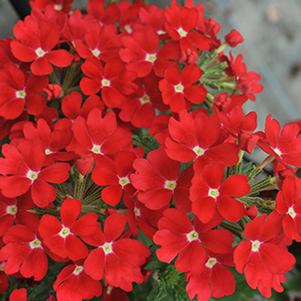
41, 67
42, 193
49, 226
56, 173
236, 186
89, 86
204, 209
192, 256
276, 259
112, 194
22, 52
13, 186
114, 226
230, 209
95, 264
75, 248
70, 211
60, 58
171, 245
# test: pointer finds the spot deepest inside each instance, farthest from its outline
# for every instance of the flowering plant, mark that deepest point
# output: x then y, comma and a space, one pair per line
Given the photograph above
123, 173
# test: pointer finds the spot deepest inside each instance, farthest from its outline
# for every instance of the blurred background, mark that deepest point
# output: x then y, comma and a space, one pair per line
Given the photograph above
272, 31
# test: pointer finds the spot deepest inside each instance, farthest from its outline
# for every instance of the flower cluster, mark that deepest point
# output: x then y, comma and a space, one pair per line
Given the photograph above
123, 144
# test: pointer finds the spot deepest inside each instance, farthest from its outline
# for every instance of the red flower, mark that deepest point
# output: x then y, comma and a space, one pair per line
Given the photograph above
23, 168
261, 257
213, 279
62, 238
288, 205
210, 194
35, 43
98, 136
234, 38
181, 24
140, 217
235, 122
153, 16
140, 51
73, 284
18, 295
18, 90
115, 174
247, 82
157, 181
73, 105
112, 80
23, 252
54, 141
100, 41
139, 107
284, 144
178, 88
196, 136
178, 237
117, 260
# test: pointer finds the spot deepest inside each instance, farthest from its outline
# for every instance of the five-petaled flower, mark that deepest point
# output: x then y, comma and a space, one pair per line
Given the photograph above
64, 238
35, 42
210, 194
116, 259
23, 168
182, 88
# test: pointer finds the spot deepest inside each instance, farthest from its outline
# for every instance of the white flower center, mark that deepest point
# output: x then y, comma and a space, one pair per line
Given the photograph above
21, 94
137, 211
64, 232
107, 248
96, 149
277, 151
193, 235
170, 185
40, 52
291, 212
182, 32
123, 181
105, 82
179, 88
213, 193
199, 151
78, 269
151, 57
128, 28
58, 7
96, 52
48, 152
144, 99
211, 262
12, 210
2, 266
32, 175
161, 32
255, 245
35, 244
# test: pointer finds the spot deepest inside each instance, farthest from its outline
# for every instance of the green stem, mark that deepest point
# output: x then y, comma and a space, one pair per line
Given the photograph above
260, 167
